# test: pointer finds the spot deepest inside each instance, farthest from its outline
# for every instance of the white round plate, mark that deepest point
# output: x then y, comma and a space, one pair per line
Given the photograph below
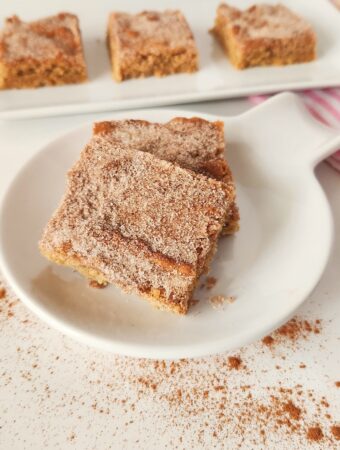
270, 266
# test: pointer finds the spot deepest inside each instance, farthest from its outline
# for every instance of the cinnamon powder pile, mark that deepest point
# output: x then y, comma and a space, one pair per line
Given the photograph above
335, 430
293, 331
7, 305
314, 434
293, 411
234, 362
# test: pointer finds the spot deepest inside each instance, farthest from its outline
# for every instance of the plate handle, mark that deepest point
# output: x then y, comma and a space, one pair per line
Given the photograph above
281, 115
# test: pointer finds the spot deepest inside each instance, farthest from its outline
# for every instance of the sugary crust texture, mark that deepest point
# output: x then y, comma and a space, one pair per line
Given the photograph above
150, 43
264, 35
136, 221
193, 143
41, 53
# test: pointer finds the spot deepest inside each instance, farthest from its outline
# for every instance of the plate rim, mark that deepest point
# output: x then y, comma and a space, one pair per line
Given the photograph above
144, 350
160, 101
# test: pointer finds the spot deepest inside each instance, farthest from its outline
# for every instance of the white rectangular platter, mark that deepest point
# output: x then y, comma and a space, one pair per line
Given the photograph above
216, 78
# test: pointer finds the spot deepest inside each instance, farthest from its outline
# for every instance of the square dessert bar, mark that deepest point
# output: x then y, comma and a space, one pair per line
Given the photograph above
141, 223
194, 144
150, 43
41, 53
264, 35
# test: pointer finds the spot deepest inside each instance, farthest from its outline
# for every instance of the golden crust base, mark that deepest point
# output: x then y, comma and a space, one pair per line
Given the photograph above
93, 275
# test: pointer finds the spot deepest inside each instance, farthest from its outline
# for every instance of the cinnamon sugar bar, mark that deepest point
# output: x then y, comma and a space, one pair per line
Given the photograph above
136, 221
45, 52
150, 43
193, 143
264, 35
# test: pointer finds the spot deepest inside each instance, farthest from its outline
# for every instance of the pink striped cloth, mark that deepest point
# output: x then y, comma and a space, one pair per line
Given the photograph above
324, 105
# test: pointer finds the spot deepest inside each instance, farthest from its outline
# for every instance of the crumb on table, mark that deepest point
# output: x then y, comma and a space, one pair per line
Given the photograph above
217, 301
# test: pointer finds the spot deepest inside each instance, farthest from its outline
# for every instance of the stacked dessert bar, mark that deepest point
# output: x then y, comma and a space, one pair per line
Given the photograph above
144, 207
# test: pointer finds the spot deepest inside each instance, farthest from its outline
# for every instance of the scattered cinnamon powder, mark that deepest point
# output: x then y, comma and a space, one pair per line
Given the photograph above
314, 434
72, 436
234, 362
335, 430
293, 331
9, 304
187, 394
277, 412
292, 410
268, 340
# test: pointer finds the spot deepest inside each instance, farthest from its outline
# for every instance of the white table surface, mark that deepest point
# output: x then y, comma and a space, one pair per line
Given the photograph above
58, 394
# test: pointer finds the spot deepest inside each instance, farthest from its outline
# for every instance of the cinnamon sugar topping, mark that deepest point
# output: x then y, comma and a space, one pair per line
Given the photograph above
150, 29
42, 39
264, 21
193, 143
114, 189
